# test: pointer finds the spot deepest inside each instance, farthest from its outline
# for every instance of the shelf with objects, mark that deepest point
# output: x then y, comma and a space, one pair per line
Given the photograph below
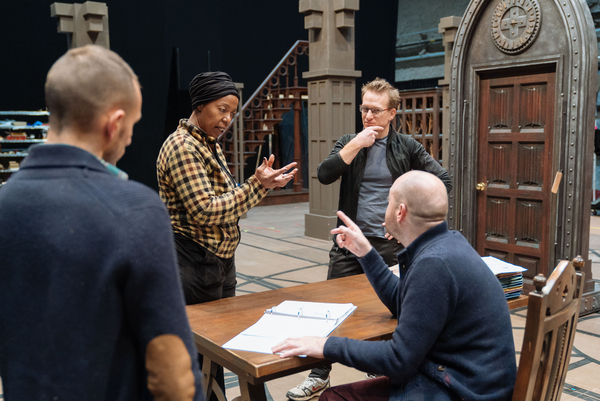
18, 131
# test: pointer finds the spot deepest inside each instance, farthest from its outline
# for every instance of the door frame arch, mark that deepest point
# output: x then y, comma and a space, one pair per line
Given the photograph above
576, 66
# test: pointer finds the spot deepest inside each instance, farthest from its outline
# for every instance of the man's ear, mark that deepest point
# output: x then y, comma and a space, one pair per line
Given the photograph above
114, 122
401, 213
392, 114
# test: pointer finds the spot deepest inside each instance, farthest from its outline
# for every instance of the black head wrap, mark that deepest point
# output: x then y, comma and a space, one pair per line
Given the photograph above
209, 86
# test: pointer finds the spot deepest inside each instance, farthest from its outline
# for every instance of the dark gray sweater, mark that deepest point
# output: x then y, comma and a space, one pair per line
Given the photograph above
453, 320
88, 277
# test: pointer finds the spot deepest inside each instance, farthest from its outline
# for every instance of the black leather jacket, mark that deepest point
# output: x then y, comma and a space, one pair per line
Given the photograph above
402, 155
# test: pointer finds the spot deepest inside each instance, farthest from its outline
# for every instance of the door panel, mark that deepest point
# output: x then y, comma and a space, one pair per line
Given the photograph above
515, 145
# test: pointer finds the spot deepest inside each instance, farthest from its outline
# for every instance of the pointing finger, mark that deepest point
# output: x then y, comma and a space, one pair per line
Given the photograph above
340, 230
346, 220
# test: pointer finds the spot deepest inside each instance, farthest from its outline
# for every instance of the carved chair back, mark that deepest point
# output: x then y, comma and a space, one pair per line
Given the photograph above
552, 314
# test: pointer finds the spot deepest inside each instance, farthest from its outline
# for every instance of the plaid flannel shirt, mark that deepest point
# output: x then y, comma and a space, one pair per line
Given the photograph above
203, 200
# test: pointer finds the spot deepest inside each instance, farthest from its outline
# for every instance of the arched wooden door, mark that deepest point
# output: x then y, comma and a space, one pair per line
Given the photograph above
514, 168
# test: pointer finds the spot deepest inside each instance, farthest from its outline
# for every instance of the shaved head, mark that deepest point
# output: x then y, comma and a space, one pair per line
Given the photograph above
422, 201
424, 195
85, 83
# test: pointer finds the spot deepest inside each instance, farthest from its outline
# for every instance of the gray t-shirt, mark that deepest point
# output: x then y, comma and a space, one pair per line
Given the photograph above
374, 191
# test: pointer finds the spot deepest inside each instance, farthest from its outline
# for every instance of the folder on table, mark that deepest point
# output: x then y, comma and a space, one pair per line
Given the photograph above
290, 319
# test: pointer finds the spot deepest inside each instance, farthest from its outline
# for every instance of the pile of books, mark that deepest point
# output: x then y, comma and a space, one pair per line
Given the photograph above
509, 275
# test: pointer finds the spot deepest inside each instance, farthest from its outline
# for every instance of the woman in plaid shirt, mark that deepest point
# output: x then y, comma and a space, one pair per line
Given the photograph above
203, 199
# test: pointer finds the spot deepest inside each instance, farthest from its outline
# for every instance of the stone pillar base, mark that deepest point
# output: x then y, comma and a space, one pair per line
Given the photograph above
317, 226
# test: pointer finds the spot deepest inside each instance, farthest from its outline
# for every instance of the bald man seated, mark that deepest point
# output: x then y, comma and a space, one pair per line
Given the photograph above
454, 336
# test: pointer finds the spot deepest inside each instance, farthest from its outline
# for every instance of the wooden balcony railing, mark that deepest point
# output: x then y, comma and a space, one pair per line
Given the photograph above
420, 115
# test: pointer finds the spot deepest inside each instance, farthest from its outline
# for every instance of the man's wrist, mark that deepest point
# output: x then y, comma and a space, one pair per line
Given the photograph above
363, 254
366, 254
349, 152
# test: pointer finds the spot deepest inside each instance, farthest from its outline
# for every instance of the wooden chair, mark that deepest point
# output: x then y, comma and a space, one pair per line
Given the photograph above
552, 314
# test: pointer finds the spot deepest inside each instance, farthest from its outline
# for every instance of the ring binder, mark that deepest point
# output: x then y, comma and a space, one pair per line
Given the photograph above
314, 310
290, 319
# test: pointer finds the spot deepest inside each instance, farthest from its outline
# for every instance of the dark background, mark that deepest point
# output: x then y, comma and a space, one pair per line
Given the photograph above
246, 39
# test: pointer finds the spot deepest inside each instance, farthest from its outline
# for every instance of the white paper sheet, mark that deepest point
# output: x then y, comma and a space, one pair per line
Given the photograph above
501, 267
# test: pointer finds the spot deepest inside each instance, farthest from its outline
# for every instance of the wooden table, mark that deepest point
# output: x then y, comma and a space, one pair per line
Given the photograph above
215, 323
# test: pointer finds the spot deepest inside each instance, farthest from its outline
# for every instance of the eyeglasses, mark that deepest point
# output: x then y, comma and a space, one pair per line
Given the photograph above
375, 112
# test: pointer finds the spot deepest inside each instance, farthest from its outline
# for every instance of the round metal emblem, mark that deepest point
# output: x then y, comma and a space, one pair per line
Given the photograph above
515, 24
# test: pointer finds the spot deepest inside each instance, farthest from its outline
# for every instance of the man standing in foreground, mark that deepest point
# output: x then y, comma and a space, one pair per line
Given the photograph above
454, 337
91, 306
368, 163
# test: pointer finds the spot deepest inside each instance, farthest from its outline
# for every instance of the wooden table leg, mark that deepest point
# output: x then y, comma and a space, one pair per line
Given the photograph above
209, 384
251, 392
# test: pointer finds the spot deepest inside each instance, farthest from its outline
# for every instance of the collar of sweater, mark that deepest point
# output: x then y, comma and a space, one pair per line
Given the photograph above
407, 255
62, 155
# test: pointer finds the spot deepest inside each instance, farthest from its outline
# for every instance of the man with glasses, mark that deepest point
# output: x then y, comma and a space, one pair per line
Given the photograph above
368, 163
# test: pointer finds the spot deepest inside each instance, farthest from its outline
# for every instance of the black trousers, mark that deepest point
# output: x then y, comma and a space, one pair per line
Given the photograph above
204, 277
343, 263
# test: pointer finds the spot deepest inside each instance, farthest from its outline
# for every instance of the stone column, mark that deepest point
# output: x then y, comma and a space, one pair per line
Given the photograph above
84, 24
331, 99
448, 27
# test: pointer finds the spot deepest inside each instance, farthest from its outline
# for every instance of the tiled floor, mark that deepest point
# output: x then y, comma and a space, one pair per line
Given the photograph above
274, 253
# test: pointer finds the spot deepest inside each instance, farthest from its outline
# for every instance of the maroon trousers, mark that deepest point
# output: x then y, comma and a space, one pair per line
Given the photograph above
377, 389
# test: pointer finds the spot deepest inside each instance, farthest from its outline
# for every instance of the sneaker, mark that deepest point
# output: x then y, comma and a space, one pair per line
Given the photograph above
309, 388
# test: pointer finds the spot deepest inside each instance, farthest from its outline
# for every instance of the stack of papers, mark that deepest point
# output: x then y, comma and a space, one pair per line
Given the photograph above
290, 319
510, 276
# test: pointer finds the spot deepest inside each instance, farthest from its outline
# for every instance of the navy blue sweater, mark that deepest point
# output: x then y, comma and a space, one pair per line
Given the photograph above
88, 276
453, 321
